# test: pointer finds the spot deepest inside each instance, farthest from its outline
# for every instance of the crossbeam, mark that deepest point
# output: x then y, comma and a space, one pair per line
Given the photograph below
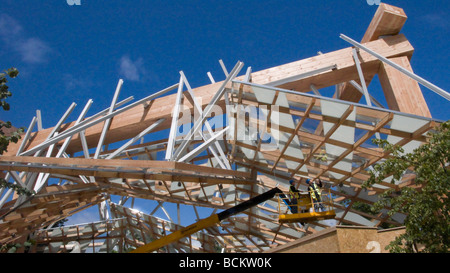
132, 120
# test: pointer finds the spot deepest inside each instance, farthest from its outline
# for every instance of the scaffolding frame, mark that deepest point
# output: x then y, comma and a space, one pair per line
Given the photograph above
279, 127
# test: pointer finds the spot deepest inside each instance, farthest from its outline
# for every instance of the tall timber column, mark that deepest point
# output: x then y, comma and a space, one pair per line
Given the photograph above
402, 93
387, 21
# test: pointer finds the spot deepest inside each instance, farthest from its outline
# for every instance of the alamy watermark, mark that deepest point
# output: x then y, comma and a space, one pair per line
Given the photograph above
74, 2
374, 2
78, 2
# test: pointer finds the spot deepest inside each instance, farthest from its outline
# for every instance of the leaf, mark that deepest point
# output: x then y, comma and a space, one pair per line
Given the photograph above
426, 205
12, 72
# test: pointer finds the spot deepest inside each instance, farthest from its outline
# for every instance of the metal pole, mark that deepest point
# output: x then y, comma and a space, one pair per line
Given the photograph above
314, 89
225, 71
80, 118
42, 180
405, 71
202, 147
174, 125
359, 88
82, 127
197, 124
108, 121
136, 138
361, 77
223, 159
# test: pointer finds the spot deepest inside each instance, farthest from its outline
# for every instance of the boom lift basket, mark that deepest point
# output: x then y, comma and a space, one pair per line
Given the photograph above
302, 208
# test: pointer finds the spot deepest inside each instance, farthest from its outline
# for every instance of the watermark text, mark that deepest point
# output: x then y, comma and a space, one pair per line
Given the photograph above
73, 2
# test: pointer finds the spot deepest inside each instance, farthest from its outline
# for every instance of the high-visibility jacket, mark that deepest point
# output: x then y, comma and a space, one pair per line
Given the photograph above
293, 192
316, 192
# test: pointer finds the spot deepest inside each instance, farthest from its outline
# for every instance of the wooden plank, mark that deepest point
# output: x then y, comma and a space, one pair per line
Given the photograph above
346, 69
388, 20
176, 167
402, 93
297, 127
129, 123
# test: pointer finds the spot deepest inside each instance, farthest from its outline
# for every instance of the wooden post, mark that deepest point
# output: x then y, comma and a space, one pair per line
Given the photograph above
388, 20
402, 93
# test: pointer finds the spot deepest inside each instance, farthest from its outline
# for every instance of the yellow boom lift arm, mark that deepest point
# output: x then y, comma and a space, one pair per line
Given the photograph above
207, 222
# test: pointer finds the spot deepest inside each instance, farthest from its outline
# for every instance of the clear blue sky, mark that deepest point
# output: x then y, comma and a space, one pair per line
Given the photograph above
69, 53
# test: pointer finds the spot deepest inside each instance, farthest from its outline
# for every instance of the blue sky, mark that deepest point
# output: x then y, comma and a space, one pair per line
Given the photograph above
69, 53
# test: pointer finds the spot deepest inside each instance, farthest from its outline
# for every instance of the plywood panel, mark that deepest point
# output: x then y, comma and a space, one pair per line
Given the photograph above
355, 239
324, 241
387, 236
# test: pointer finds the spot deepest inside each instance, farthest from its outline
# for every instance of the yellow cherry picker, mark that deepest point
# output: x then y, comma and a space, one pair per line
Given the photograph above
312, 205
207, 222
304, 203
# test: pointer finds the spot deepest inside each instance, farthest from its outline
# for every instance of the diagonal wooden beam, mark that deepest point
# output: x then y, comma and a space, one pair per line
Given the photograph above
428, 126
297, 127
258, 147
327, 136
369, 134
387, 21
129, 123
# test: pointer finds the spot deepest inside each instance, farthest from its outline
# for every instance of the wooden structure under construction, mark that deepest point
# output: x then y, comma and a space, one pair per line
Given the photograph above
218, 145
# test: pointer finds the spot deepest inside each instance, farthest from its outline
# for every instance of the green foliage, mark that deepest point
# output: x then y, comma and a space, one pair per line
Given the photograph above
425, 204
4, 139
14, 136
17, 188
13, 247
60, 223
4, 94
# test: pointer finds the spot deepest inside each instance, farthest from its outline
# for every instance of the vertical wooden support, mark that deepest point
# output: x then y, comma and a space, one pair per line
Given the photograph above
402, 93
388, 20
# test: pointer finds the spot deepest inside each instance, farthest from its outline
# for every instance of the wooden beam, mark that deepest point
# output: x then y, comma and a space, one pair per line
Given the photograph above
402, 93
117, 163
130, 123
387, 21
101, 168
346, 70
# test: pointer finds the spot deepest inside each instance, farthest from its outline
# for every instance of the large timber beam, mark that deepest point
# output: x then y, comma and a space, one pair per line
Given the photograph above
120, 165
387, 21
345, 66
402, 92
131, 122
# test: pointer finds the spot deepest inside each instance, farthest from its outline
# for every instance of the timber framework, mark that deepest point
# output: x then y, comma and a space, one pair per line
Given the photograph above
218, 145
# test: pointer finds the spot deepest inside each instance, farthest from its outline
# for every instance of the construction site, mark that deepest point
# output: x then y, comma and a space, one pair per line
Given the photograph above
232, 148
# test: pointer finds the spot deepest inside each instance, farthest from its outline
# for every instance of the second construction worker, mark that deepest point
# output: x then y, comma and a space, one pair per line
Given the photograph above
316, 193
294, 195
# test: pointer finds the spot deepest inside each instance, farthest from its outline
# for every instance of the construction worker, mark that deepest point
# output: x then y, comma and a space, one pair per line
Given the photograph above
316, 193
294, 195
